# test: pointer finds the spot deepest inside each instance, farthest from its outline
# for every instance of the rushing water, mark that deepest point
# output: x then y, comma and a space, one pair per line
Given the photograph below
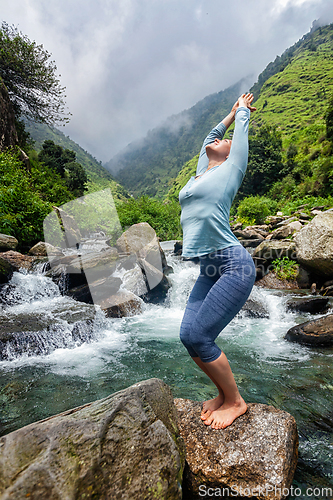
267, 368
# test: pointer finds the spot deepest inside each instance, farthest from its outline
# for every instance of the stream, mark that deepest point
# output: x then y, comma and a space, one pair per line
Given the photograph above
120, 352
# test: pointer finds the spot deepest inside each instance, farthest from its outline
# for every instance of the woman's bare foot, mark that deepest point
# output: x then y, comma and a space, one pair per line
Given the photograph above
226, 414
211, 405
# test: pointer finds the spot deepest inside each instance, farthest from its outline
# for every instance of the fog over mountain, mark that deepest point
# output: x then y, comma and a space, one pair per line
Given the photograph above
129, 65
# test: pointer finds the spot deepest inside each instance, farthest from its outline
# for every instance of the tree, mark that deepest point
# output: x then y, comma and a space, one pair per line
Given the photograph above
265, 164
63, 161
30, 78
76, 178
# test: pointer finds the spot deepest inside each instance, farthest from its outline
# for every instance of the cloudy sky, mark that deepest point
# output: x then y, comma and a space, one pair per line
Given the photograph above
129, 64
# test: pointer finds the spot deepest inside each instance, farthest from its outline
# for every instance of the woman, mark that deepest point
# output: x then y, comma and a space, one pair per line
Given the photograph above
227, 272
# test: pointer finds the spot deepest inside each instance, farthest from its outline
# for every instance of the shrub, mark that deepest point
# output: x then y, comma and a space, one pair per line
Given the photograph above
164, 217
285, 268
22, 210
255, 209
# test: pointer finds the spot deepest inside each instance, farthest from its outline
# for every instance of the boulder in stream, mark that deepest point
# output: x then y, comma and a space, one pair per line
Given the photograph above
7, 242
6, 271
123, 447
275, 249
316, 333
313, 305
259, 450
314, 245
66, 324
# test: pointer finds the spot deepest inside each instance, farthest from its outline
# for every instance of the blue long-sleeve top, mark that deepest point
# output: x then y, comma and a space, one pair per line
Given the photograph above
206, 201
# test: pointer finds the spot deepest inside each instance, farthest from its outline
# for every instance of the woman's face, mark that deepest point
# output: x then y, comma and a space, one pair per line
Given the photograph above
219, 149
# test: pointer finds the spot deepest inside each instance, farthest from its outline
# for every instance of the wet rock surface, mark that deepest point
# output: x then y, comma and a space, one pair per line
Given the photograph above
18, 260
123, 447
270, 280
254, 309
66, 325
259, 448
313, 305
316, 333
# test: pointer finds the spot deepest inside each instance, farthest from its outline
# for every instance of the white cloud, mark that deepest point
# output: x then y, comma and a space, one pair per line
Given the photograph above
129, 65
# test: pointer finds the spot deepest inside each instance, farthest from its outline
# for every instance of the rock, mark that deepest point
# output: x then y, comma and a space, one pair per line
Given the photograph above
313, 289
262, 229
125, 446
65, 325
303, 277
251, 243
270, 280
8, 134
254, 309
178, 248
286, 221
7, 242
45, 249
76, 270
275, 249
19, 261
285, 231
248, 234
96, 291
6, 271
311, 305
316, 212
304, 216
317, 333
123, 303
314, 248
141, 239
71, 232
258, 449
327, 291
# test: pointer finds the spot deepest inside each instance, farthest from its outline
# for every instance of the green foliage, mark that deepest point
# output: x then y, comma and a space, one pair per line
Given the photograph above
63, 162
329, 120
150, 166
22, 210
164, 217
285, 268
265, 161
290, 206
99, 177
30, 78
255, 209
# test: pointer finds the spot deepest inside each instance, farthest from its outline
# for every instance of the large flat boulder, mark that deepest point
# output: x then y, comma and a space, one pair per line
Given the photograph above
123, 447
254, 457
314, 244
316, 333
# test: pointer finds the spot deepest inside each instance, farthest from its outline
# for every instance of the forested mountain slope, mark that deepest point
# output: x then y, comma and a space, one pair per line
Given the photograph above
99, 177
148, 166
295, 94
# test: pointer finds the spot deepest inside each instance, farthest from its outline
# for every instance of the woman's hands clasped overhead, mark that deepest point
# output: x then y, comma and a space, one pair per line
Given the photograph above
245, 100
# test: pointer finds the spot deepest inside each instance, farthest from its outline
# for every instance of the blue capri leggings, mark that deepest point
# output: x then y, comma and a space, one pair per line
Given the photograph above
223, 286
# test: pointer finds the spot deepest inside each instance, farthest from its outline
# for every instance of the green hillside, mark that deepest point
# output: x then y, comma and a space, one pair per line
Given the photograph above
293, 96
149, 167
99, 177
